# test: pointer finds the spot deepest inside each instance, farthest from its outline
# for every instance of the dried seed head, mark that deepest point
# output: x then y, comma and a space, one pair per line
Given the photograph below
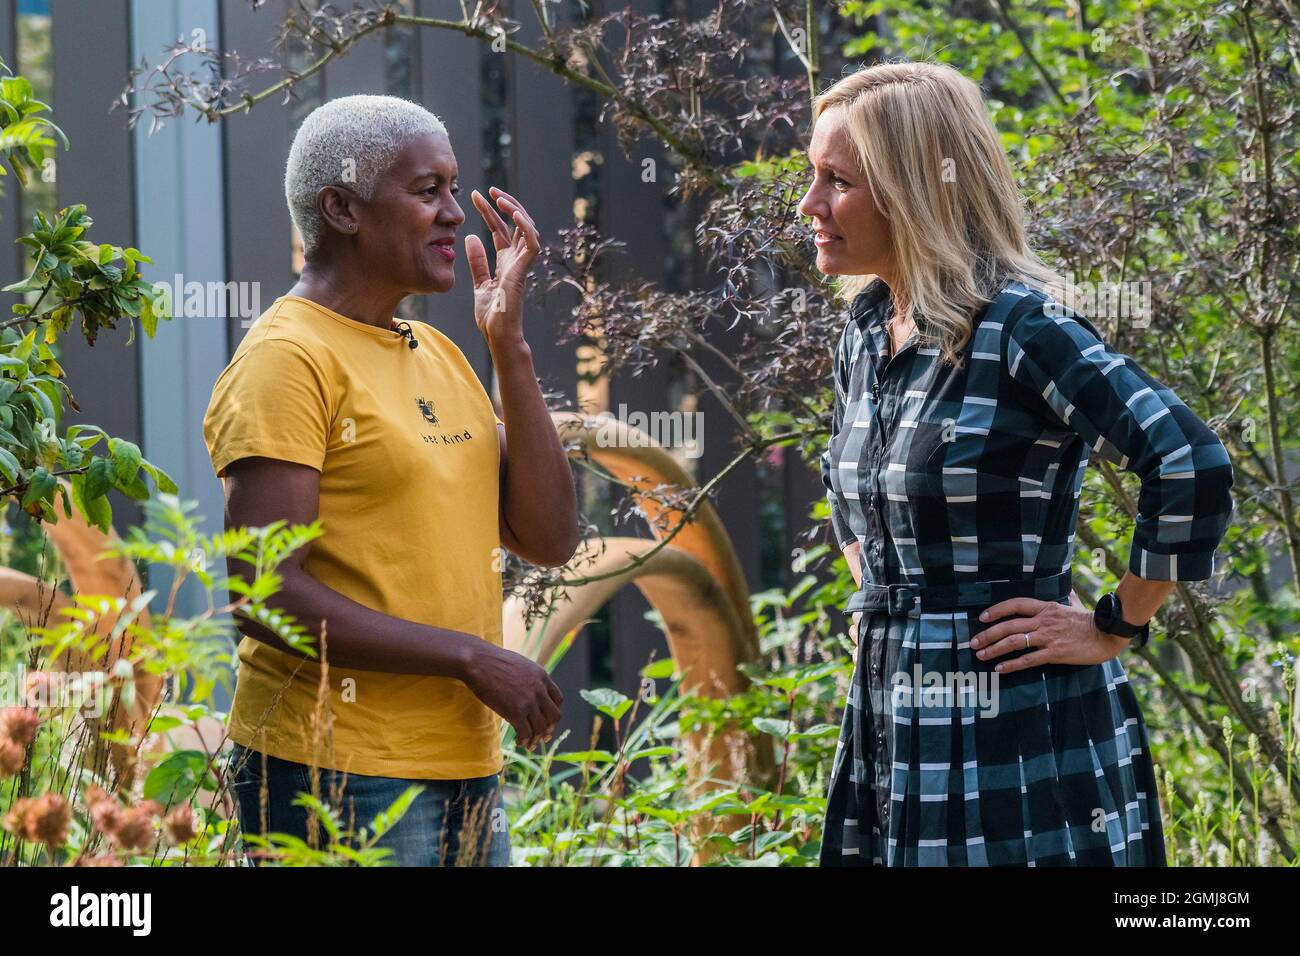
179, 825
42, 819
135, 829
12, 756
107, 816
19, 724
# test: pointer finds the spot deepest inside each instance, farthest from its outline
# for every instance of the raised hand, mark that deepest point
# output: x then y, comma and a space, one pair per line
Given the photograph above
498, 299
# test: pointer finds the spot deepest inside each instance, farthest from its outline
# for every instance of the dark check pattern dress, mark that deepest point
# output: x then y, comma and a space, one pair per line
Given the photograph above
961, 477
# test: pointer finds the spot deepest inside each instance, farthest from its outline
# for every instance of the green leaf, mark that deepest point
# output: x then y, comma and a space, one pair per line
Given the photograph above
660, 669
99, 478
817, 730
126, 460
586, 756
607, 701
777, 728
96, 510
163, 723
532, 813
160, 477
100, 513
177, 777
9, 466
136, 489
23, 349
40, 400
148, 318
31, 284
40, 485
22, 427
385, 820
652, 752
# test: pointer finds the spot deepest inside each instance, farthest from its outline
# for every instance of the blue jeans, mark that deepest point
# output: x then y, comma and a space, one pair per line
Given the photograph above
451, 822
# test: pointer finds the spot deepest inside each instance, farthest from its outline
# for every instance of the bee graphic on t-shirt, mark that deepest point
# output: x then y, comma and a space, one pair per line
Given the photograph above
426, 409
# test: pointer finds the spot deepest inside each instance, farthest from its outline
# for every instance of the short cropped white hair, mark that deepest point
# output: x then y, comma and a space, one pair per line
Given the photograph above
350, 141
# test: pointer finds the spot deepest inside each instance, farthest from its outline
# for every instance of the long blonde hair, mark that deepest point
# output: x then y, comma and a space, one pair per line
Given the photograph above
937, 172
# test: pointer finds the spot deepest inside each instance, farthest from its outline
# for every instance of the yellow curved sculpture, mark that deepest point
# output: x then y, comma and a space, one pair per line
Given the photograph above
695, 582
701, 627
633, 458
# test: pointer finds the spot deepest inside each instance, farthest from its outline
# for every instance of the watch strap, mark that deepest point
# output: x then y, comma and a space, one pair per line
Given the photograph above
1139, 634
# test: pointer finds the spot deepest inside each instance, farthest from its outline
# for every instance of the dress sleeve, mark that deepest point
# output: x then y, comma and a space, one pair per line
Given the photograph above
844, 535
1128, 418
271, 402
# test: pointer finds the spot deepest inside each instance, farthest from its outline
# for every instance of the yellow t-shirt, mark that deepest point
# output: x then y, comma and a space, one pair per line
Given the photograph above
406, 444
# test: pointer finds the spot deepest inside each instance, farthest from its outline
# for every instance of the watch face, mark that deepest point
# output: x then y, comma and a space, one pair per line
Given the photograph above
1106, 612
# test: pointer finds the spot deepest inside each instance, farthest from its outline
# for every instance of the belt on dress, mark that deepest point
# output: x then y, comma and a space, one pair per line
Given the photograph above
901, 599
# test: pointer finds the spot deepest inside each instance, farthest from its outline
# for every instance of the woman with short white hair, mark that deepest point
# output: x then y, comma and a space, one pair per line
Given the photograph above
331, 409
989, 720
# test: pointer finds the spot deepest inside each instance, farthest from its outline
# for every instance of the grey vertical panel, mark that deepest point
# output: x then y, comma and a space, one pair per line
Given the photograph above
449, 86
632, 211
360, 70
181, 227
91, 56
12, 263
542, 178
257, 234
256, 146
738, 496
803, 488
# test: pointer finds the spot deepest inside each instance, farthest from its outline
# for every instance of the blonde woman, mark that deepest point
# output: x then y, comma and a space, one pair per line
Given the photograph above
989, 721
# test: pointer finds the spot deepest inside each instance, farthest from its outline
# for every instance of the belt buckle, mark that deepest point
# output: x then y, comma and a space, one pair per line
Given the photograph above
906, 598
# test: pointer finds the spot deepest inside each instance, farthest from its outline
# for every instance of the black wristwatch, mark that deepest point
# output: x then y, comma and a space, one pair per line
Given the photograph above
1109, 618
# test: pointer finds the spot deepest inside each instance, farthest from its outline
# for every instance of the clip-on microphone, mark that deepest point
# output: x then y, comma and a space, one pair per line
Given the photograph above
404, 329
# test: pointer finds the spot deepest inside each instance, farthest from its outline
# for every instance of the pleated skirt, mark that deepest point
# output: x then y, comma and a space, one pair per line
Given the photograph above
943, 762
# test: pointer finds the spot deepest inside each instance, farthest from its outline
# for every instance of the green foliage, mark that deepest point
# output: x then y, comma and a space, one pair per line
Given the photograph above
24, 132
80, 277
195, 654
637, 806
70, 277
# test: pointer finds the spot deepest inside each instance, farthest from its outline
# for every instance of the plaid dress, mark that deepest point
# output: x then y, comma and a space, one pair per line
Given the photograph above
967, 482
